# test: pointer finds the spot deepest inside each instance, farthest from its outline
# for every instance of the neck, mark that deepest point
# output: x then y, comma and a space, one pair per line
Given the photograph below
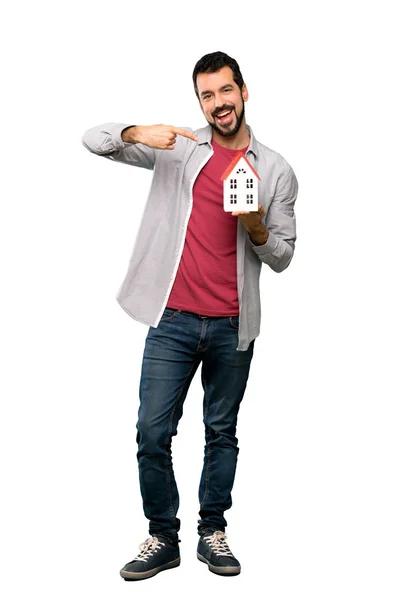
241, 139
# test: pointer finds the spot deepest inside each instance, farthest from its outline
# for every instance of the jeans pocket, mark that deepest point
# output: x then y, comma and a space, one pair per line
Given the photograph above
234, 321
169, 314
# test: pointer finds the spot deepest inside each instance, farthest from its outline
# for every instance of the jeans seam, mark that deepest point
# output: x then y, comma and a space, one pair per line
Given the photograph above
211, 333
171, 504
208, 463
201, 334
234, 326
174, 314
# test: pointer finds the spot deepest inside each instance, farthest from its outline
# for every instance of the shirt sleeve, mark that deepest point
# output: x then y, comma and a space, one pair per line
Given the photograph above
280, 222
105, 140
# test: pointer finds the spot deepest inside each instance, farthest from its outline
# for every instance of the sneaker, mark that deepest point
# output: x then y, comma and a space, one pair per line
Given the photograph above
156, 554
214, 551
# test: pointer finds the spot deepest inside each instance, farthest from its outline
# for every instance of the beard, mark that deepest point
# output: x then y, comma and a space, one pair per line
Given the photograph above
239, 119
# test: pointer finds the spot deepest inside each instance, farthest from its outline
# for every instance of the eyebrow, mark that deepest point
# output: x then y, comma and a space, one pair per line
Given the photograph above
221, 88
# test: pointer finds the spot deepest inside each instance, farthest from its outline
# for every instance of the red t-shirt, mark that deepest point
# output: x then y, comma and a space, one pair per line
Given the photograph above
206, 280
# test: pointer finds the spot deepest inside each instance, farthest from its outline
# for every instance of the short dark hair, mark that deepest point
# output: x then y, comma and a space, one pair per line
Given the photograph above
213, 62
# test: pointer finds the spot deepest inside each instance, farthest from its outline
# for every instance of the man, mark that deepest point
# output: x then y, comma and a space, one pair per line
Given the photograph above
194, 279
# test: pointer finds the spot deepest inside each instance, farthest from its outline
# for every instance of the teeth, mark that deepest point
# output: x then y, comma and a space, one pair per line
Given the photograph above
224, 114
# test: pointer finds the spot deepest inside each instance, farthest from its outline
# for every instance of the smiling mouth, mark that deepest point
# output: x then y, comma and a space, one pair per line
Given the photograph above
224, 117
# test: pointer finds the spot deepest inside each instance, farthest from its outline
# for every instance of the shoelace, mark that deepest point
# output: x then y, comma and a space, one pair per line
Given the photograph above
218, 543
148, 547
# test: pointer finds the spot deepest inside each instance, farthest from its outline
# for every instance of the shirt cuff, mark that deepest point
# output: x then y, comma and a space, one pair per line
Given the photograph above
267, 248
115, 132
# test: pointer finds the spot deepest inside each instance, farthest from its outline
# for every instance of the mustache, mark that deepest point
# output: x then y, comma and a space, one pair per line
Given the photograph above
221, 109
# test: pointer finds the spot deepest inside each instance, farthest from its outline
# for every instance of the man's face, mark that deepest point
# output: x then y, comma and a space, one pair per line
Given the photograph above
222, 101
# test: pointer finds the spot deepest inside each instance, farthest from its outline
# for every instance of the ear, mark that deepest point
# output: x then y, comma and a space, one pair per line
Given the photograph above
245, 92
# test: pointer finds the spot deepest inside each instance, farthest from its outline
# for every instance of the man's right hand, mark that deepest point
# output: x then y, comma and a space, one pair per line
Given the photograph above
161, 137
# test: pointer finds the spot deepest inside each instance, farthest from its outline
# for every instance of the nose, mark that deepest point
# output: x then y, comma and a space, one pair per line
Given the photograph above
217, 101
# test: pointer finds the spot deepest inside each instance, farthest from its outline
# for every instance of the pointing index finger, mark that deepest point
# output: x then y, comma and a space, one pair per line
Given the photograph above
185, 133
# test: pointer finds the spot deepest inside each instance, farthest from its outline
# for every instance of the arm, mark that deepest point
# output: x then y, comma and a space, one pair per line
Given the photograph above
105, 140
274, 241
132, 144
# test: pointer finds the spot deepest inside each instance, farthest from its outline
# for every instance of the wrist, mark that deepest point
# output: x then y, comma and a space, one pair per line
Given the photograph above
259, 236
129, 135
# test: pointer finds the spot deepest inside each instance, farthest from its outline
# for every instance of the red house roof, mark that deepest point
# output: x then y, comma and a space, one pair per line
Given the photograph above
233, 164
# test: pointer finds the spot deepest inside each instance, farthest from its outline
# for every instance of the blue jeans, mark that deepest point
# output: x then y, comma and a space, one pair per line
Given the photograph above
172, 353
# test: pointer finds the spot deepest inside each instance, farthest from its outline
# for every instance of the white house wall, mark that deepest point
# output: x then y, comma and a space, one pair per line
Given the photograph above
241, 191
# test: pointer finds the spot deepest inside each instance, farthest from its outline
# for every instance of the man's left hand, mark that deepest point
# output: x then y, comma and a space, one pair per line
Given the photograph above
252, 220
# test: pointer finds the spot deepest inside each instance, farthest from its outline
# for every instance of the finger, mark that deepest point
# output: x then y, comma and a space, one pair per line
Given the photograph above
262, 210
184, 133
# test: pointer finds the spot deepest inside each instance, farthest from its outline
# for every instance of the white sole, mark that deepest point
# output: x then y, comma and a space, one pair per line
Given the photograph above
219, 570
131, 576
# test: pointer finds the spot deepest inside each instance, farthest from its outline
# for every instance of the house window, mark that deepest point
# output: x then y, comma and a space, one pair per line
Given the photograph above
233, 184
233, 198
249, 199
240, 171
249, 183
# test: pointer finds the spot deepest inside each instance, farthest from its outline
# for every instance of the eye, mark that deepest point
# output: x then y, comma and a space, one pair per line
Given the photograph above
206, 96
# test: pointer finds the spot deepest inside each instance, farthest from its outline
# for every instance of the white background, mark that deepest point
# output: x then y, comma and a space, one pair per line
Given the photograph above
316, 497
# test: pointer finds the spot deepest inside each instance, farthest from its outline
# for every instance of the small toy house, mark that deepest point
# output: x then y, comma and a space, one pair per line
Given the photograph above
240, 185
